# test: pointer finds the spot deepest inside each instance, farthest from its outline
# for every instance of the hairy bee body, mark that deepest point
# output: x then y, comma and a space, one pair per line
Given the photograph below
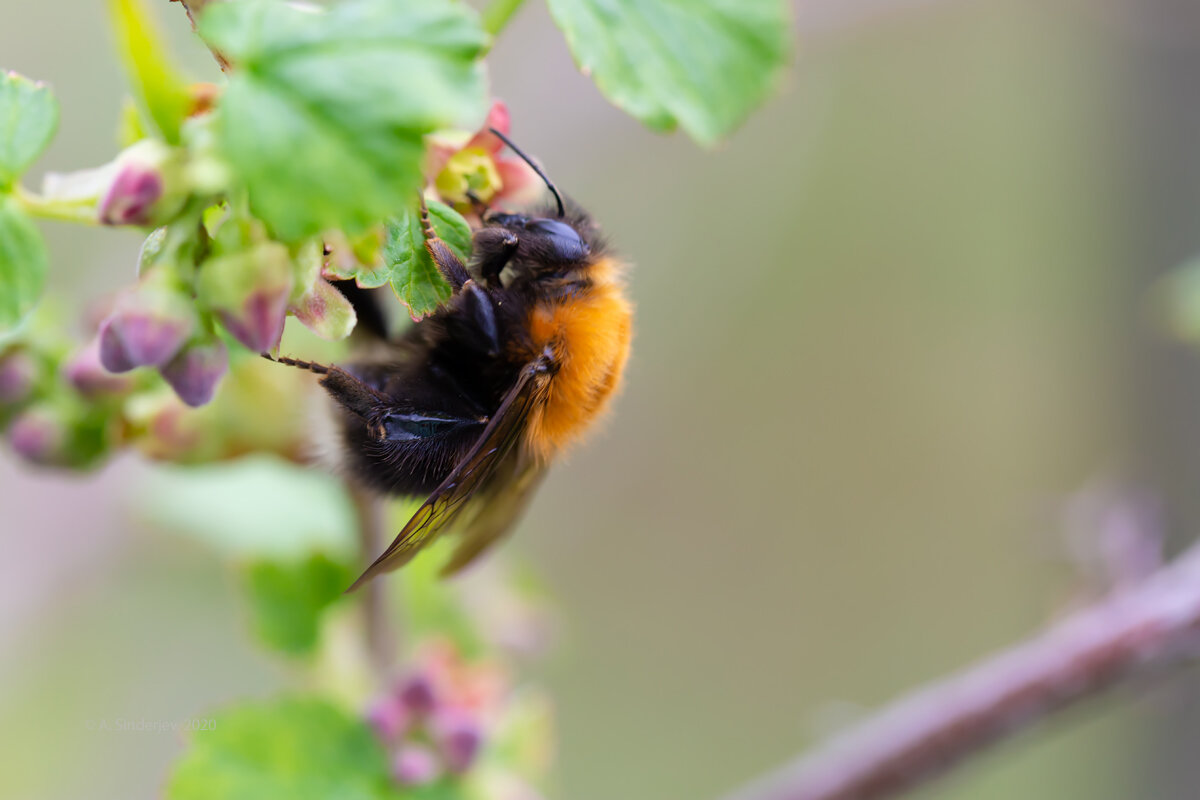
469, 406
445, 365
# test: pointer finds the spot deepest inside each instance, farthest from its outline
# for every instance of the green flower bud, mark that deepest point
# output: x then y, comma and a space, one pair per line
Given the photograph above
325, 311
249, 291
61, 434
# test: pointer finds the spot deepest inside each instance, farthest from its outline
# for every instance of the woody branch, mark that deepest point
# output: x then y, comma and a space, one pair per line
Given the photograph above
1141, 632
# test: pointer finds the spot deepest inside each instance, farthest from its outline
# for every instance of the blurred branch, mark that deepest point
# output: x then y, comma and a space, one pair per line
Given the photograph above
193, 9
381, 633
1134, 634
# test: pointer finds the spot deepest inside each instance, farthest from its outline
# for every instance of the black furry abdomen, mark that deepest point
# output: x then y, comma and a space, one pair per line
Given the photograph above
448, 366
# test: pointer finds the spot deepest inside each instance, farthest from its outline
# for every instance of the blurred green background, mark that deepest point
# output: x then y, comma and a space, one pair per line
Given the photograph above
882, 334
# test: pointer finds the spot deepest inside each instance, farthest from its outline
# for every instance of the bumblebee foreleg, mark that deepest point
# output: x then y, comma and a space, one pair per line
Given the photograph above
452, 269
494, 248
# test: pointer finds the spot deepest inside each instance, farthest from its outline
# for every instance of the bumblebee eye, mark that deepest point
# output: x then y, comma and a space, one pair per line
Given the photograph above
563, 238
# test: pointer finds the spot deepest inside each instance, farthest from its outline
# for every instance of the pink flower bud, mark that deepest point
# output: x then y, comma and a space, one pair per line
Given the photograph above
388, 718
146, 186
459, 738
17, 374
87, 374
148, 327
416, 694
325, 311
249, 290
38, 435
415, 765
196, 370
258, 324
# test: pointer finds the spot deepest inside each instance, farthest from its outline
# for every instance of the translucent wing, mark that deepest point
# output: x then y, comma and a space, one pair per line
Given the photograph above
502, 504
450, 497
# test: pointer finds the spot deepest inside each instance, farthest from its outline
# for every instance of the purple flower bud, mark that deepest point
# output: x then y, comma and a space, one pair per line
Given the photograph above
38, 436
148, 327
110, 347
87, 374
195, 371
415, 765
388, 718
17, 374
416, 694
131, 197
459, 738
249, 291
144, 187
258, 324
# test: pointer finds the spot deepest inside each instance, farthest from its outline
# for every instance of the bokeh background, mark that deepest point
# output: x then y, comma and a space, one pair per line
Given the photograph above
884, 334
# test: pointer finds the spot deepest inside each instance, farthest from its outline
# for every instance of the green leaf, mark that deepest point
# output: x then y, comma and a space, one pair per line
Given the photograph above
160, 91
22, 264
28, 120
703, 65
409, 268
294, 748
287, 599
257, 507
326, 110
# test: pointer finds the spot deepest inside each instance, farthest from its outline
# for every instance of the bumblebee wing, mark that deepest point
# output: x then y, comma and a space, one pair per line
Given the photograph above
502, 505
448, 499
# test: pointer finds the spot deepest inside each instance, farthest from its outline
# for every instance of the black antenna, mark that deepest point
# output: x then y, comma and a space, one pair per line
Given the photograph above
561, 211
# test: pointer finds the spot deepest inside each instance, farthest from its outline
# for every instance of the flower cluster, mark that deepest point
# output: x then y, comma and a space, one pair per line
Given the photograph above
466, 167
61, 407
213, 286
445, 716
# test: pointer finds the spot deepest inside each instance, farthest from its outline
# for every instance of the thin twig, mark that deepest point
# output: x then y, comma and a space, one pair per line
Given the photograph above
380, 630
1134, 634
193, 9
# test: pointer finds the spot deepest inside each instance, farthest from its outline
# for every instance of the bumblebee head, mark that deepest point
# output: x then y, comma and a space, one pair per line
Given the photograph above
550, 242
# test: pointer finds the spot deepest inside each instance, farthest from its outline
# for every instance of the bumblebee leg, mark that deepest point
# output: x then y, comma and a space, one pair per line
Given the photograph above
495, 248
447, 263
479, 304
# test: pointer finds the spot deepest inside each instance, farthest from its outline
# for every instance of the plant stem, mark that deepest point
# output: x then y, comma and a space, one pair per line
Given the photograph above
498, 13
66, 210
193, 8
1135, 634
380, 630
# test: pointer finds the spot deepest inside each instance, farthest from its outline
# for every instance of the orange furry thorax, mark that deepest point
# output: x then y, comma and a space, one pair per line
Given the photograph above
589, 334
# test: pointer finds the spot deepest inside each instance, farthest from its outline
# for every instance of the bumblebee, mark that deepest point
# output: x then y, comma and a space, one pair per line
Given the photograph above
469, 406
